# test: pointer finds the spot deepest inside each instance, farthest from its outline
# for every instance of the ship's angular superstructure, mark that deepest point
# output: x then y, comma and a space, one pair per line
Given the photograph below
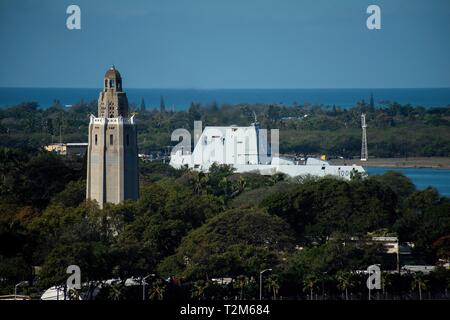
246, 149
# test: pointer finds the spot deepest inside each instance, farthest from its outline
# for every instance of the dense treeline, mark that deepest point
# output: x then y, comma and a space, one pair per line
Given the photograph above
394, 130
194, 227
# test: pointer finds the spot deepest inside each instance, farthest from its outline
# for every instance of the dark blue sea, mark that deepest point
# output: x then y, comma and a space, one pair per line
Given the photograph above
180, 99
422, 177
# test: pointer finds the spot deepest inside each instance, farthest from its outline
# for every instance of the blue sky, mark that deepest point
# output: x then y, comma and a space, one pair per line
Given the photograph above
226, 44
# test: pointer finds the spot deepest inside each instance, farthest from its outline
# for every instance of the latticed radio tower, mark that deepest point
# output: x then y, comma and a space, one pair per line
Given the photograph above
364, 154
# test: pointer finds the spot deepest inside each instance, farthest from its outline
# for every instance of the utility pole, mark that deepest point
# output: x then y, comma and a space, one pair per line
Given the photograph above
364, 153
260, 282
61, 121
143, 285
18, 285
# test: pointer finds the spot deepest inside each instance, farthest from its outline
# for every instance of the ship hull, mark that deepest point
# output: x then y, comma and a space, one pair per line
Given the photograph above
345, 172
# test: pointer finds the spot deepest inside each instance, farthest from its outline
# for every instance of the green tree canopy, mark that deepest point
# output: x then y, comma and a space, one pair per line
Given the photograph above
234, 242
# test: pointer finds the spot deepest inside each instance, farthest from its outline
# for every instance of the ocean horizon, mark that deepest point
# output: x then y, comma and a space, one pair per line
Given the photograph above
181, 99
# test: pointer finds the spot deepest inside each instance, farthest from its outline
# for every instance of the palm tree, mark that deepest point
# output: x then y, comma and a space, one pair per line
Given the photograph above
310, 283
157, 290
8, 165
74, 294
273, 284
386, 281
198, 289
448, 286
276, 178
345, 281
115, 292
419, 283
238, 187
200, 180
241, 283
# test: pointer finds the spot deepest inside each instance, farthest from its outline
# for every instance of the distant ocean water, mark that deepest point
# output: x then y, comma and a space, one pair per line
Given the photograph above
421, 177
180, 99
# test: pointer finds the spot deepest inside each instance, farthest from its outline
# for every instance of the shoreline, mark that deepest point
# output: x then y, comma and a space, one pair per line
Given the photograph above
399, 163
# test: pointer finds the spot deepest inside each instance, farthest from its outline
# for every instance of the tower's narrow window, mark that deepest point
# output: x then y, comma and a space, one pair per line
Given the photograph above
106, 83
111, 139
96, 139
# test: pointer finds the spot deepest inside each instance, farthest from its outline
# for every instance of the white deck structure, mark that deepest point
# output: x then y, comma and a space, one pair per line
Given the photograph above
246, 149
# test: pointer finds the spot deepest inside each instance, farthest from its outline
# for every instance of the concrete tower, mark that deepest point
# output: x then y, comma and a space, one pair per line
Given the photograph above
112, 158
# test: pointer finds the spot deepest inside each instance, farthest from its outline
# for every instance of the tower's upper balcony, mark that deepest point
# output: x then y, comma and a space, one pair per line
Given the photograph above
104, 121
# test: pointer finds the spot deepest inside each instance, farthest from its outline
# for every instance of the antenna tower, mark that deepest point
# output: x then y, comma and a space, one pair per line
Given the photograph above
364, 154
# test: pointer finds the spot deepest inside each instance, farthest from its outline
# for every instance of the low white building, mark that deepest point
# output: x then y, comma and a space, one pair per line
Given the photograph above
68, 149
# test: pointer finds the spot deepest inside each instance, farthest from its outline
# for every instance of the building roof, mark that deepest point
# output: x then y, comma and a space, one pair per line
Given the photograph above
112, 73
77, 144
